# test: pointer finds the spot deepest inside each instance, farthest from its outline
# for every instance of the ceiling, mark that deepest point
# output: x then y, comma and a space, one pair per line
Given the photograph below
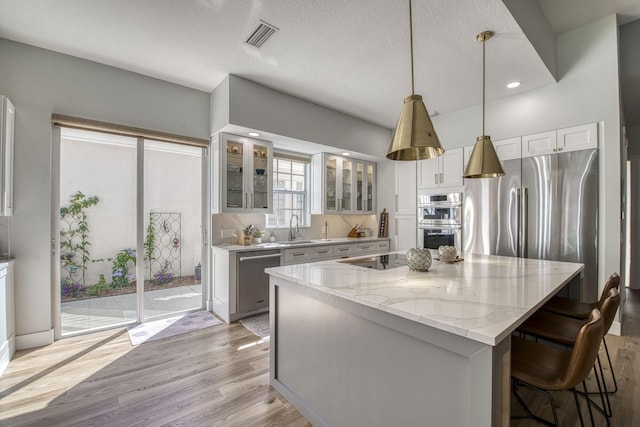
349, 55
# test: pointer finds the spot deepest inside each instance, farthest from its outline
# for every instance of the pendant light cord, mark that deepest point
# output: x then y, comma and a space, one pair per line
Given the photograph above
411, 44
483, 83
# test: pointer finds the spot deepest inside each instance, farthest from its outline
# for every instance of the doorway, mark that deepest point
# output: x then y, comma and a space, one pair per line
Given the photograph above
130, 220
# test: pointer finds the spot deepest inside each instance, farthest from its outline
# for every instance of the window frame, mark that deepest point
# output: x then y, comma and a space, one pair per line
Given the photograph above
305, 218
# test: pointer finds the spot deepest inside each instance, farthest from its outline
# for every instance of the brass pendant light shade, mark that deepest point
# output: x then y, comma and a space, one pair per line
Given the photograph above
414, 137
484, 162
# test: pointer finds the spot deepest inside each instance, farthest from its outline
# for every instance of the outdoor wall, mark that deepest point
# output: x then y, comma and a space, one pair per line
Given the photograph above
40, 82
89, 163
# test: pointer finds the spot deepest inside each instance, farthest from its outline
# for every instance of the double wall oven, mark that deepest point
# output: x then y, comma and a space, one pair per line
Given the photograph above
440, 220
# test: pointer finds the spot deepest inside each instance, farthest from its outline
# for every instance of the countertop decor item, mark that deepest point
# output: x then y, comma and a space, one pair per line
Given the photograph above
447, 253
483, 162
414, 137
419, 259
260, 171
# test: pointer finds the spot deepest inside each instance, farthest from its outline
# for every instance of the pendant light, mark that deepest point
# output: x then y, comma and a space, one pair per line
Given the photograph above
414, 137
484, 161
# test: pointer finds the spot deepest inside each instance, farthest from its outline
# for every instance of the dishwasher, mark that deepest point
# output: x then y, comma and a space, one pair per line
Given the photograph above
253, 282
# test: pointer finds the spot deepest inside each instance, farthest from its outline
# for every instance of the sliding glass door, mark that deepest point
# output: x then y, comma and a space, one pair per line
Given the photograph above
130, 230
173, 228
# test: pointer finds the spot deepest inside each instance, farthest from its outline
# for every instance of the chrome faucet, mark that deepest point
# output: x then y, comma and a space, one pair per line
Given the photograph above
292, 234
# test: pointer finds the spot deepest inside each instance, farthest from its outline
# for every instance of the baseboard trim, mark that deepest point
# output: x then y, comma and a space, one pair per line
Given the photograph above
36, 339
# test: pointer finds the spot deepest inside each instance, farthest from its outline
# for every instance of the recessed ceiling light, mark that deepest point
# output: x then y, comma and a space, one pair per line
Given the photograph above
513, 85
254, 134
346, 153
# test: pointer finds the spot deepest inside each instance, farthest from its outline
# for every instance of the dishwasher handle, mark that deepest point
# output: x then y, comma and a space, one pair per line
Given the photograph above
249, 258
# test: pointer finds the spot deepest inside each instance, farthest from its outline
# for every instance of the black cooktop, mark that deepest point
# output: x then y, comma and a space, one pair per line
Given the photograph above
379, 262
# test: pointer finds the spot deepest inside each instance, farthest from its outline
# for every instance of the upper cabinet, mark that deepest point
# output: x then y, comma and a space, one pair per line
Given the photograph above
506, 149
563, 140
441, 171
242, 175
405, 185
7, 127
342, 185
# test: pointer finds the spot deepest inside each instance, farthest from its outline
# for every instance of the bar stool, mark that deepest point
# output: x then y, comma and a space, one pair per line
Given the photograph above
577, 309
564, 330
545, 368
580, 310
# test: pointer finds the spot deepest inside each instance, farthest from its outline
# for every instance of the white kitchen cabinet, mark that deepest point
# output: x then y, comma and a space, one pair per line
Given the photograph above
365, 187
373, 247
562, 140
7, 329
441, 171
242, 172
506, 149
7, 129
342, 185
406, 232
343, 251
405, 185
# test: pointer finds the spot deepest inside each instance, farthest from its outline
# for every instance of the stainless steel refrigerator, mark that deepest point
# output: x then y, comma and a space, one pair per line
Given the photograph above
545, 207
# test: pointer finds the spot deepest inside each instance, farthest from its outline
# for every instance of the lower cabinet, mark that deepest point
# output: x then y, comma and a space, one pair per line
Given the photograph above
7, 330
406, 232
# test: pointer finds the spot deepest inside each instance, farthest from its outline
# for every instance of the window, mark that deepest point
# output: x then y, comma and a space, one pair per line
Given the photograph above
290, 195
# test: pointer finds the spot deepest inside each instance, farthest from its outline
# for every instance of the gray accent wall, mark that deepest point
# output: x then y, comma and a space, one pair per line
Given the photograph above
40, 82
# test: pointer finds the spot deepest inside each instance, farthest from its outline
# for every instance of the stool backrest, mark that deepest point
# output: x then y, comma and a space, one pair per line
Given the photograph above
609, 308
613, 282
585, 351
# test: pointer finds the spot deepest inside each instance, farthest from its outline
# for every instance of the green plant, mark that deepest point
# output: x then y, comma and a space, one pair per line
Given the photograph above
258, 233
149, 242
99, 288
120, 276
75, 240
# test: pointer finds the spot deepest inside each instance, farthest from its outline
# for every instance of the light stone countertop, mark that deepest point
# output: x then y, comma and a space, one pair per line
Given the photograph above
311, 242
484, 298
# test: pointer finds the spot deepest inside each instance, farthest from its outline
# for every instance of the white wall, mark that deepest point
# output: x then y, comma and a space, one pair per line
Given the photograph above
108, 170
41, 82
587, 92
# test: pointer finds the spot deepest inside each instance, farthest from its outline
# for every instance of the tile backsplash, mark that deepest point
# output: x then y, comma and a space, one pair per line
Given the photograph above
337, 226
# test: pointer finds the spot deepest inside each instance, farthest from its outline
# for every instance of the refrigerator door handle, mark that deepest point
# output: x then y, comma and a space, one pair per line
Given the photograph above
525, 222
518, 222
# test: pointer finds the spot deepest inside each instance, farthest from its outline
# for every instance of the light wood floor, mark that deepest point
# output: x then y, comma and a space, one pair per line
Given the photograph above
213, 377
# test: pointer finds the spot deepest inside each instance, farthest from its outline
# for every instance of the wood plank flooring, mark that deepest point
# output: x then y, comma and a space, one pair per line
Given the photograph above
217, 376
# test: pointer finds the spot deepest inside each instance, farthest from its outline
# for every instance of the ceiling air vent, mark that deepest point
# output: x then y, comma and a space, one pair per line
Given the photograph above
261, 34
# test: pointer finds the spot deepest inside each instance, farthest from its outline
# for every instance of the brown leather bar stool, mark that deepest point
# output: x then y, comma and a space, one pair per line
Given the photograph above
564, 330
577, 309
580, 310
544, 368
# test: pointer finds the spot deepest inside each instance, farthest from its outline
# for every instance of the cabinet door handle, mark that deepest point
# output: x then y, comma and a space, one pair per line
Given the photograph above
246, 200
396, 221
441, 178
396, 203
435, 178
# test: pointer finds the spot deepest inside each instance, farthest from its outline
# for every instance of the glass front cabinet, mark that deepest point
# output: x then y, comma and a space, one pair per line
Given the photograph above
342, 185
242, 176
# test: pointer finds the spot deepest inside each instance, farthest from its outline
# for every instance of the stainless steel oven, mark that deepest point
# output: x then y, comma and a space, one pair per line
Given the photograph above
440, 220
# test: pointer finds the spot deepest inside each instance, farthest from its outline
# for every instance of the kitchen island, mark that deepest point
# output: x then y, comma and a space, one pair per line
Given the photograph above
355, 346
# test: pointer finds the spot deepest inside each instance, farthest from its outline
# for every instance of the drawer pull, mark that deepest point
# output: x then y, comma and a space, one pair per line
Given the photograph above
299, 254
322, 252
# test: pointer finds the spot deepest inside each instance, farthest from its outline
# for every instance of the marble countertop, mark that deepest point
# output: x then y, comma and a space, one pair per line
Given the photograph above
310, 242
484, 298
